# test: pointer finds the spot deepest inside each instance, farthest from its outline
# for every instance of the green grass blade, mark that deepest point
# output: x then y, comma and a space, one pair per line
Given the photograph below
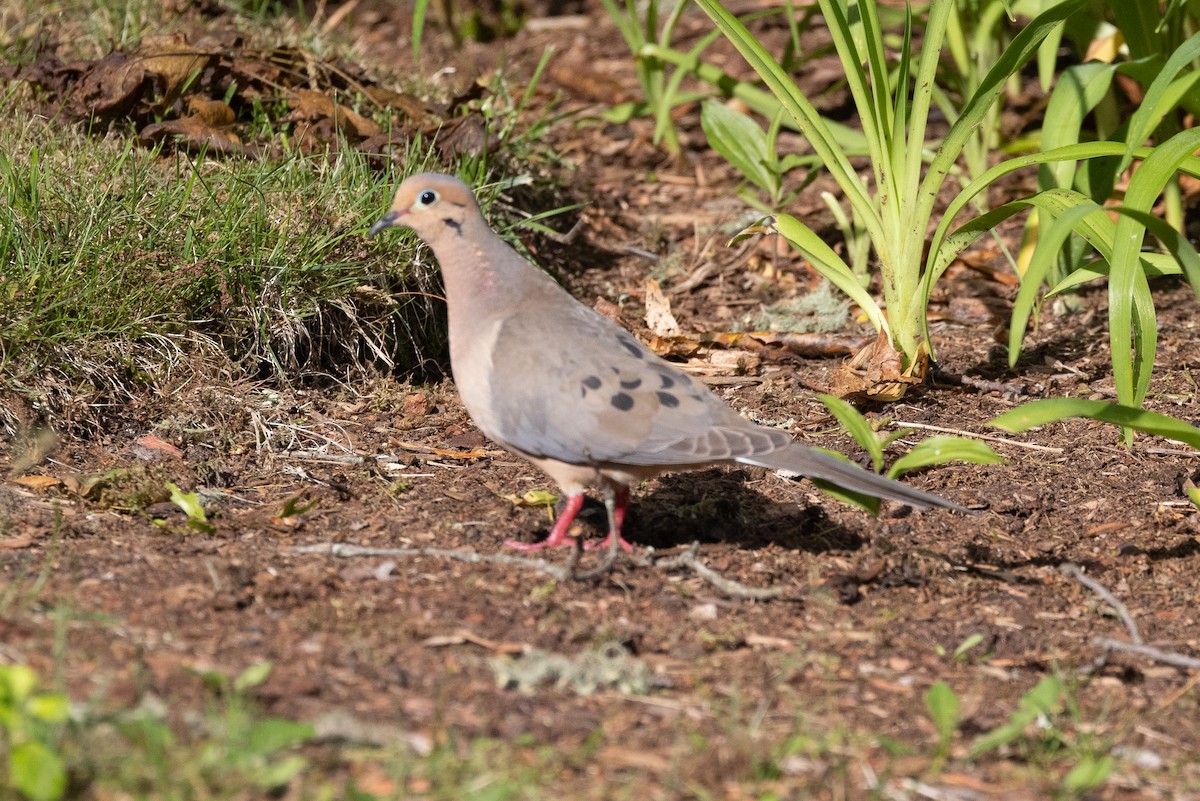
830, 265
940, 450
1155, 265
420, 9
1096, 229
922, 96
1053, 410
1127, 282
1018, 53
1044, 257
1157, 102
1079, 89
938, 253
823, 141
857, 426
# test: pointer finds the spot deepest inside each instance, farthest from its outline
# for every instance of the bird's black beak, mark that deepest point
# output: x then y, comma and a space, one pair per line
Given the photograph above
389, 220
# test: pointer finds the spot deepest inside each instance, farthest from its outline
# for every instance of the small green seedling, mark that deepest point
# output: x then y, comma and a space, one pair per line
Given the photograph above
926, 453
943, 706
189, 502
28, 721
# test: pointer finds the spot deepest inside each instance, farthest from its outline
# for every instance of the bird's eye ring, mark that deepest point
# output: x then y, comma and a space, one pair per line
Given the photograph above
427, 198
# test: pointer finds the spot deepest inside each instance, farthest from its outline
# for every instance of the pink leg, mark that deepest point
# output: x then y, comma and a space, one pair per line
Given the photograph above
558, 533
616, 501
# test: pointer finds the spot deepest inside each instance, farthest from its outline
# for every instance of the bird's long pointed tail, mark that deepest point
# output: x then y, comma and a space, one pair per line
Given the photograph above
802, 460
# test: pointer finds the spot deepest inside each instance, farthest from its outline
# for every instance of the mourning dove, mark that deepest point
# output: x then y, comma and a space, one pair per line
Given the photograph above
580, 397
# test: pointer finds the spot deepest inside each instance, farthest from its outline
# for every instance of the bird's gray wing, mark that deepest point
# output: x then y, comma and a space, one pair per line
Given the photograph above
593, 394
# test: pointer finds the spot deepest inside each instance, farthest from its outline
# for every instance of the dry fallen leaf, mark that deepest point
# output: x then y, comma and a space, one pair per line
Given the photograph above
875, 373
151, 443
659, 319
16, 543
323, 114
37, 482
170, 60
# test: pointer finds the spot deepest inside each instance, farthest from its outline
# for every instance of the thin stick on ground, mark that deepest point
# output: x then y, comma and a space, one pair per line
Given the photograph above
567, 572
734, 589
973, 435
1137, 646
1072, 570
471, 557
1157, 654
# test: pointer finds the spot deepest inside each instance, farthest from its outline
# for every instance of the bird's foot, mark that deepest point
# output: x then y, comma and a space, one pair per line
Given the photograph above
549, 542
558, 533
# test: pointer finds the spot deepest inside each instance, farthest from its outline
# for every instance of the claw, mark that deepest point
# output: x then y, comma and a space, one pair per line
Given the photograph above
558, 532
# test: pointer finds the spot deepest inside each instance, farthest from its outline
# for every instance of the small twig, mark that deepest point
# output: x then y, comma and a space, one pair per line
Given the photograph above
1187, 687
733, 589
1137, 646
568, 237
380, 458
471, 557
1072, 570
973, 435
1172, 452
1157, 654
1010, 391
688, 559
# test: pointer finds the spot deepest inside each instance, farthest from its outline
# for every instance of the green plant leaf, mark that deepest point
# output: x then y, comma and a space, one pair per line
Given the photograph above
1154, 264
293, 506
279, 773
16, 683
1049, 246
966, 645
420, 8
741, 142
800, 109
275, 734
1078, 90
1015, 56
943, 705
37, 772
252, 676
857, 426
189, 502
1045, 699
830, 265
1156, 103
1128, 292
943, 449
50, 707
1089, 773
1053, 410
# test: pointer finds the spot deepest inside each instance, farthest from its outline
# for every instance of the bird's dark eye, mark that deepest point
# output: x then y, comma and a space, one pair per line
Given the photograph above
427, 198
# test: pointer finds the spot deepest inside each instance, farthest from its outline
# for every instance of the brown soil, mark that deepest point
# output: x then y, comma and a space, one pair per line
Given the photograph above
873, 607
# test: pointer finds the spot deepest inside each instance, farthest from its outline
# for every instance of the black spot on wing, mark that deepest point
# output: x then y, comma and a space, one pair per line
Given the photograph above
631, 346
631, 383
668, 400
592, 382
667, 381
622, 402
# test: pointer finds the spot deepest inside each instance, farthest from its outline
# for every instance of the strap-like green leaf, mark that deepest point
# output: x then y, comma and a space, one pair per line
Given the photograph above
1053, 410
857, 426
830, 265
943, 449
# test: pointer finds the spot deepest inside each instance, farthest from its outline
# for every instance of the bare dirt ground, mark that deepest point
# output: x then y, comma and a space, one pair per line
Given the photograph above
872, 611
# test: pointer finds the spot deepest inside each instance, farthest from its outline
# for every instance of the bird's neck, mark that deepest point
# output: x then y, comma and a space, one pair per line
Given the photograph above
483, 277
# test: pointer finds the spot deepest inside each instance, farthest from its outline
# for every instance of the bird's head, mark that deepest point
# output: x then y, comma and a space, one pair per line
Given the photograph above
432, 204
